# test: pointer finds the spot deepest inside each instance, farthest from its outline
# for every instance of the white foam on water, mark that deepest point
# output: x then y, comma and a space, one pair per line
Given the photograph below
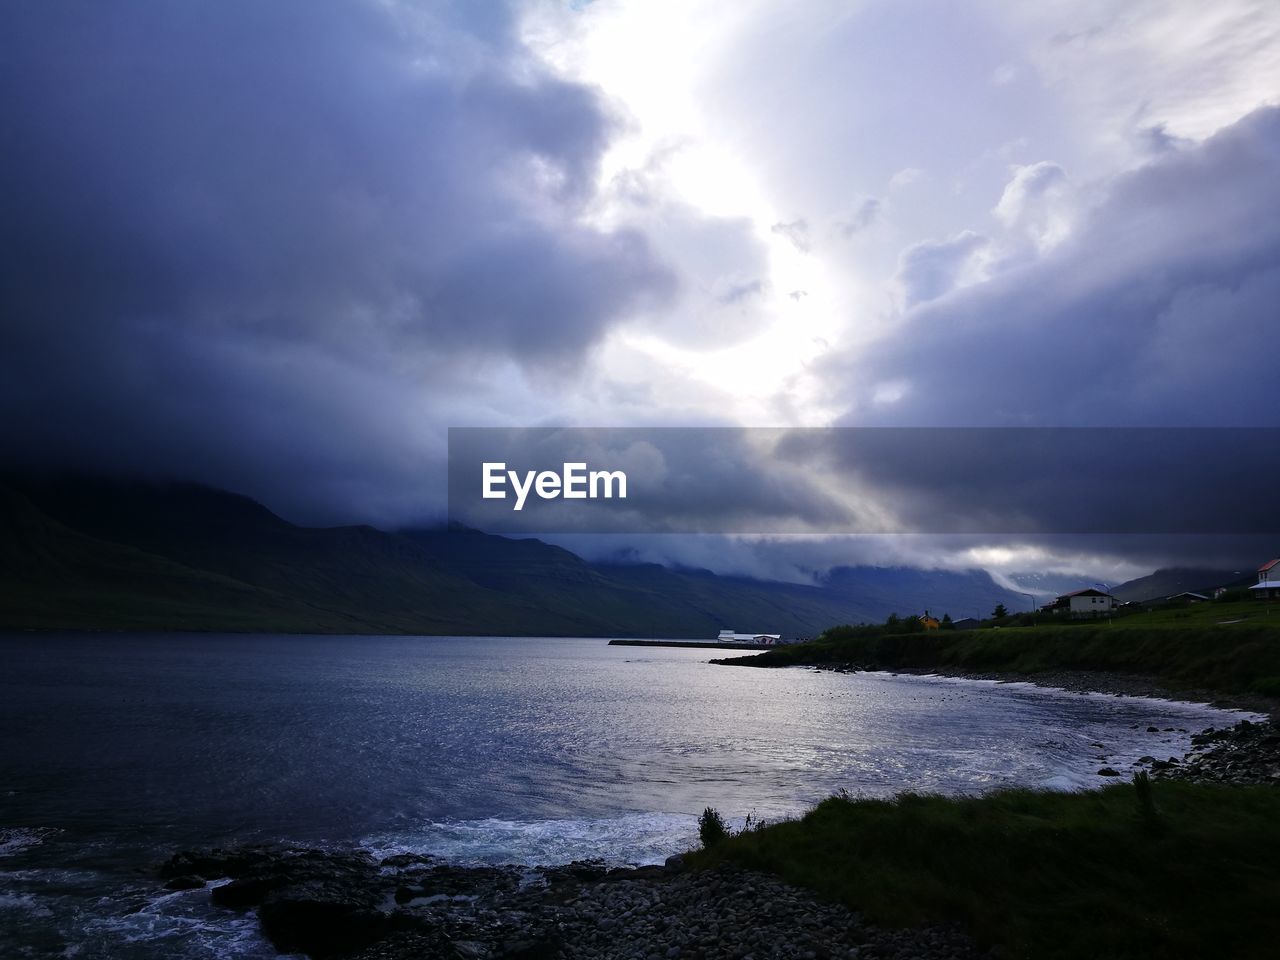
23, 903
99, 919
640, 838
1069, 781
1125, 741
182, 925
14, 840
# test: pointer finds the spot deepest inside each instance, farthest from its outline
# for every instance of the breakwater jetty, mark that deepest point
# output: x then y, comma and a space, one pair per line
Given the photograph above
703, 644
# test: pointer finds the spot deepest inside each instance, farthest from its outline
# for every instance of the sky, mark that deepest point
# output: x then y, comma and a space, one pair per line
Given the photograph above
282, 248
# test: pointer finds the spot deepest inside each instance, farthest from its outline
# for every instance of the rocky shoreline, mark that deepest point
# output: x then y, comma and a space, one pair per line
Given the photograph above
1074, 681
1247, 754
351, 905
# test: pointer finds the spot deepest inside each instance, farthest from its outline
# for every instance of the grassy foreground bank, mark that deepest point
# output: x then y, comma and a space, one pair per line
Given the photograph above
1241, 658
1047, 875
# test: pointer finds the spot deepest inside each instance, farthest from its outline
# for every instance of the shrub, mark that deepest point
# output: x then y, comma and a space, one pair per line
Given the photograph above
711, 828
1267, 686
1146, 802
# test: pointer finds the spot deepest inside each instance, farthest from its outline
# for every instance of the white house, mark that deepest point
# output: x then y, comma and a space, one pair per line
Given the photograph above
728, 636
1083, 603
1268, 585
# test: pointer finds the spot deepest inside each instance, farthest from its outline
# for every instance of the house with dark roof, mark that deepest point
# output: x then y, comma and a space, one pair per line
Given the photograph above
1268, 585
1082, 603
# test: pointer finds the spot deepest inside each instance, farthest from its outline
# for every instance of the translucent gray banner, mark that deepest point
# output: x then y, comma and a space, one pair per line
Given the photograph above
866, 480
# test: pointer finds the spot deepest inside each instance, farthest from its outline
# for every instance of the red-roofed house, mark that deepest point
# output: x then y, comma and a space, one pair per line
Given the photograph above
1268, 585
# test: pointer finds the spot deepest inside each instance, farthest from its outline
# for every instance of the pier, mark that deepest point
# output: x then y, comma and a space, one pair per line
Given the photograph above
697, 644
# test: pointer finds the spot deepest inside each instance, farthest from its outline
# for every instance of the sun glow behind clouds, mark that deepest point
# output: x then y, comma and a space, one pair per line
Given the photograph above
843, 140
652, 61
655, 61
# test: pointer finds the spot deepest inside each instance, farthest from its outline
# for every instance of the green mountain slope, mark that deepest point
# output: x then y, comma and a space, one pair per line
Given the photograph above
1168, 581
92, 554
54, 576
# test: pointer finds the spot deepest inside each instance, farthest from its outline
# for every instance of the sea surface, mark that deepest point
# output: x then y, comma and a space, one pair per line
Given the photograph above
117, 750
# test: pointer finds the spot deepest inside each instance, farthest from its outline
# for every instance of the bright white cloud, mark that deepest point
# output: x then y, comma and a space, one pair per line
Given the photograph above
1036, 203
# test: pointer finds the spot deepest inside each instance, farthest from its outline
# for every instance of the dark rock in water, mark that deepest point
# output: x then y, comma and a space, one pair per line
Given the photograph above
1108, 772
1153, 729
273, 871
213, 864
675, 862
185, 881
242, 894
405, 894
400, 860
544, 948
577, 870
323, 920
636, 873
1248, 753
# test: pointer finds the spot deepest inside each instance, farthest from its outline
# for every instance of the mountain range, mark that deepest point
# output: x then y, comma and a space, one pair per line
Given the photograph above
1169, 581
94, 554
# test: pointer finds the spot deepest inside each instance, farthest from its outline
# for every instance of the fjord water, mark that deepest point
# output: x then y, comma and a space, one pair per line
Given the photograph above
117, 750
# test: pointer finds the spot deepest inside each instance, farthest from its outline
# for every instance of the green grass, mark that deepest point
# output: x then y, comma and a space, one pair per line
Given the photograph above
1047, 875
1196, 652
1192, 614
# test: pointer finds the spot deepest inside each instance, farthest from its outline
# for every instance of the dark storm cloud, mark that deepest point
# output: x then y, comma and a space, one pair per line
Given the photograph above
986, 482
931, 268
1159, 310
808, 559
679, 479
234, 224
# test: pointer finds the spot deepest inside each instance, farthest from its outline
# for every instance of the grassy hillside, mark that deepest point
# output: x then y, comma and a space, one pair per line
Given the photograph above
1233, 648
1174, 580
54, 576
81, 554
1047, 875
95, 554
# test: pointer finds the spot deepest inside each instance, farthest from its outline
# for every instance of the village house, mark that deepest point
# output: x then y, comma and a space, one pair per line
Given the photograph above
1268, 585
1083, 603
